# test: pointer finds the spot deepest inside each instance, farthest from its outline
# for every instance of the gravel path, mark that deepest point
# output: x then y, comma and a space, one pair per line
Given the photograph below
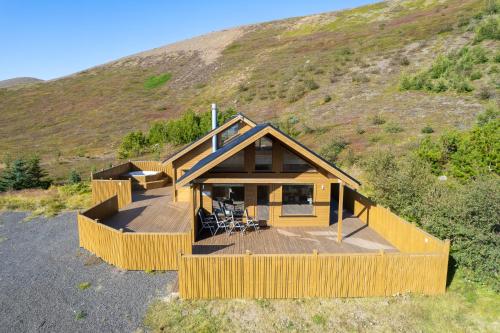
41, 268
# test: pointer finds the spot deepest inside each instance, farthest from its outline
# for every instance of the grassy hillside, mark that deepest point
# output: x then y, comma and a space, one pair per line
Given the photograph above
334, 74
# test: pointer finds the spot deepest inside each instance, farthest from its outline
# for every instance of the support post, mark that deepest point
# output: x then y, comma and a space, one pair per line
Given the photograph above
340, 210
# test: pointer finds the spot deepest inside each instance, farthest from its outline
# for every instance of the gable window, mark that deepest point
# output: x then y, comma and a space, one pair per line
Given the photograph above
228, 134
264, 154
297, 199
294, 163
235, 163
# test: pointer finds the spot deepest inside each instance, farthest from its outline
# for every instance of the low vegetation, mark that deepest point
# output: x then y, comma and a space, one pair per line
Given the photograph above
189, 127
465, 306
84, 285
462, 204
49, 202
156, 81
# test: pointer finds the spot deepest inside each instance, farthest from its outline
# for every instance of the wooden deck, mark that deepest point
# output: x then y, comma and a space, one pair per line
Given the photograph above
358, 238
152, 211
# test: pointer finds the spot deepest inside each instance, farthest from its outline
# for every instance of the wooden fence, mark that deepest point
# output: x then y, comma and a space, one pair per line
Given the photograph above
420, 267
310, 275
132, 251
407, 237
104, 189
116, 171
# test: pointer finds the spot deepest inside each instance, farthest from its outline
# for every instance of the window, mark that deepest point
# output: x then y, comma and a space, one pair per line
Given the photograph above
228, 134
293, 163
264, 154
297, 200
235, 163
231, 196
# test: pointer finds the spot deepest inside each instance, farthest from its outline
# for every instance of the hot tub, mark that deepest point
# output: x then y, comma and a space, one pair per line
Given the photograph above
143, 175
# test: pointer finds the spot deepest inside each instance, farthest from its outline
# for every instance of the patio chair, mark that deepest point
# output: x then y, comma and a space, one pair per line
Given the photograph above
207, 222
236, 223
221, 223
251, 222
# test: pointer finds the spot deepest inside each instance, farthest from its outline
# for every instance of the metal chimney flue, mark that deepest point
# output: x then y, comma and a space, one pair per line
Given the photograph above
214, 126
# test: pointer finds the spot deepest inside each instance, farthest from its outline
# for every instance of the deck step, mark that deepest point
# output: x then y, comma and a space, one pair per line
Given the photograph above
152, 184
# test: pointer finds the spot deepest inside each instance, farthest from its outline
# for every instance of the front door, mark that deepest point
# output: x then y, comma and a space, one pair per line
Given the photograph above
263, 202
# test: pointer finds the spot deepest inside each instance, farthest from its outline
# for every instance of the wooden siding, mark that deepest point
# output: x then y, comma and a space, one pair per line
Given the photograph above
132, 251
405, 236
104, 189
310, 275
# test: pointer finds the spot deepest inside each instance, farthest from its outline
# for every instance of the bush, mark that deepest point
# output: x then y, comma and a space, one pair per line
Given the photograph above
464, 213
311, 84
488, 29
155, 81
296, 92
466, 155
484, 93
452, 71
360, 78
133, 144
427, 130
393, 128
331, 151
377, 120
327, 99
23, 173
74, 177
288, 126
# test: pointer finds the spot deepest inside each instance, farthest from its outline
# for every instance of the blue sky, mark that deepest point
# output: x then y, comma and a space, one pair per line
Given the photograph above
49, 39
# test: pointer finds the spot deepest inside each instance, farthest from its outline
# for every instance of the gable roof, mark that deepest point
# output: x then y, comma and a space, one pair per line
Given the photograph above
209, 135
251, 136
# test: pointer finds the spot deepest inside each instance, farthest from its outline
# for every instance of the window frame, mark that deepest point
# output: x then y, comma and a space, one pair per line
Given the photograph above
313, 202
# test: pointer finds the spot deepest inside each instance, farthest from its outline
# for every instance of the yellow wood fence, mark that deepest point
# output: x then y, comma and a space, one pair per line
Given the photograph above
104, 189
310, 275
134, 250
405, 236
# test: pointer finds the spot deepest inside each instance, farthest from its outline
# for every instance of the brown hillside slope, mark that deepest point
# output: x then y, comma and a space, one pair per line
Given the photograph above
268, 71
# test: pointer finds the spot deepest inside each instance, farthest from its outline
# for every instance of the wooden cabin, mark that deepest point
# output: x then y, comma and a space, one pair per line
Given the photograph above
277, 179
319, 237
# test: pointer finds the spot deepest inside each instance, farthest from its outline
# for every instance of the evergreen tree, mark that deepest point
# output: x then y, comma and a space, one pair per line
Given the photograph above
74, 177
21, 173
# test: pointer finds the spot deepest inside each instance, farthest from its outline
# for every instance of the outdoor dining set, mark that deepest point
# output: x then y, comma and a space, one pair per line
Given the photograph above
226, 218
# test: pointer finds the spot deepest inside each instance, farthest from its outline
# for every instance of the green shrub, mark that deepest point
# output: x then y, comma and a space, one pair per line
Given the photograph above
377, 120
133, 144
427, 130
311, 84
296, 92
331, 151
360, 78
485, 93
488, 29
327, 99
452, 71
288, 126
155, 81
464, 213
74, 177
466, 155
393, 128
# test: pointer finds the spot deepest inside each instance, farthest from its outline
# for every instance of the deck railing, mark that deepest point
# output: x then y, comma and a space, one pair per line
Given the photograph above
107, 183
310, 275
405, 236
420, 267
129, 250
